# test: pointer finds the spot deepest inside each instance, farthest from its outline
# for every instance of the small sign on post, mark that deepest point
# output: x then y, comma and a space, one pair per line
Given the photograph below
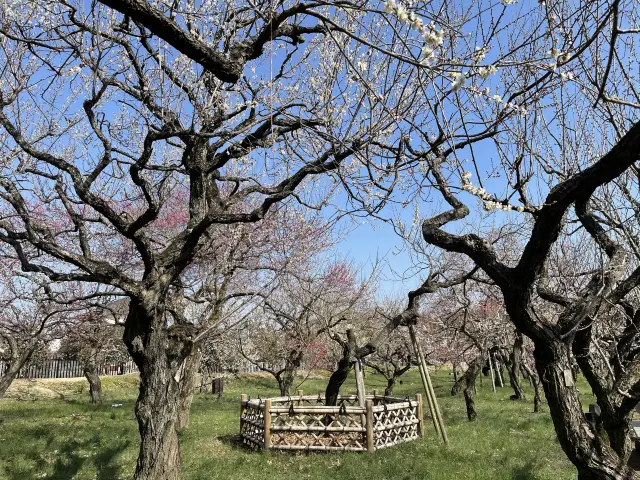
568, 378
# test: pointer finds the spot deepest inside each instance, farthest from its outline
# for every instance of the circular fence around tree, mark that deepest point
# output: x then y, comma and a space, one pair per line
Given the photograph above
303, 422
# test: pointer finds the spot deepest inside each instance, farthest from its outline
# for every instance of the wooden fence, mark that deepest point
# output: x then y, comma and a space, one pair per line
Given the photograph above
303, 422
62, 368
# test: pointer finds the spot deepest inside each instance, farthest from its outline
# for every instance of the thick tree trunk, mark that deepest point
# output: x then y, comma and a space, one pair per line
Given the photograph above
288, 374
584, 446
618, 430
336, 380
95, 385
470, 377
457, 385
14, 368
159, 353
515, 360
8, 378
537, 388
285, 382
391, 382
188, 387
615, 420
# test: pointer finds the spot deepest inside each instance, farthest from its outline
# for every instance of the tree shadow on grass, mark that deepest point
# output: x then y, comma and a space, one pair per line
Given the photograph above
106, 468
69, 460
525, 472
234, 441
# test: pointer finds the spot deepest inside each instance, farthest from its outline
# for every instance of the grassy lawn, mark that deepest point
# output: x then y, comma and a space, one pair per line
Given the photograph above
66, 438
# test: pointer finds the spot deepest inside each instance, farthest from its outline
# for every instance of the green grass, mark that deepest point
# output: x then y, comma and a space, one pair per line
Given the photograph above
65, 438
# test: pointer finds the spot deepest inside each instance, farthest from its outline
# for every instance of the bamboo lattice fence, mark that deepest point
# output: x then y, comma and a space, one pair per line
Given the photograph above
303, 422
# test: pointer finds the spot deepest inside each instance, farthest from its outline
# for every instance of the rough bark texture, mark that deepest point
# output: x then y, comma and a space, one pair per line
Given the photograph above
90, 370
188, 387
515, 360
391, 382
588, 451
18, 361
615, 418
8, 378
159, 353
470, 377
538, 394
287, 375
350, 354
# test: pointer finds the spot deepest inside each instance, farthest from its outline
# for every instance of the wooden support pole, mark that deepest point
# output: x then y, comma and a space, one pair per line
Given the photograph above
499, 373
436, 407
300, 397
362, 395
493, 376
267, 425
429, 386
420, 415
359, 383
243, 399
369, 426
423, 377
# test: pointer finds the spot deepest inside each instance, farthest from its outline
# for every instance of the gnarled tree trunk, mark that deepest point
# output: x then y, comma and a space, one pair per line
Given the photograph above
614, 418
515, 360
90, 371
287, 375
585, 447
8, 377
537, 388
159, 353
187, 386
18, 360
336, 380
470, 377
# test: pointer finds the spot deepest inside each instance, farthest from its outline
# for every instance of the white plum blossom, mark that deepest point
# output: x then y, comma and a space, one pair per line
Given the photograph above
390, 6
402, 14
554, 53
416, 22
486, 72
459, 81
480, 53
433, 37
75, 70
565, 76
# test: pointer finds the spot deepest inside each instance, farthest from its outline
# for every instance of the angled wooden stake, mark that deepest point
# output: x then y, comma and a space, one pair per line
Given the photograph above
426, 380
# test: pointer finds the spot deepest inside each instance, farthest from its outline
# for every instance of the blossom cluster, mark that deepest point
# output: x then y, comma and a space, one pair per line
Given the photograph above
432, 37
489, 201
486, 72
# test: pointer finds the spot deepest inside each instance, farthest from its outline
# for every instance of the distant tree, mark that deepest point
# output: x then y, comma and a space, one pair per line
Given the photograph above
93, 342
298, 316
29, 322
